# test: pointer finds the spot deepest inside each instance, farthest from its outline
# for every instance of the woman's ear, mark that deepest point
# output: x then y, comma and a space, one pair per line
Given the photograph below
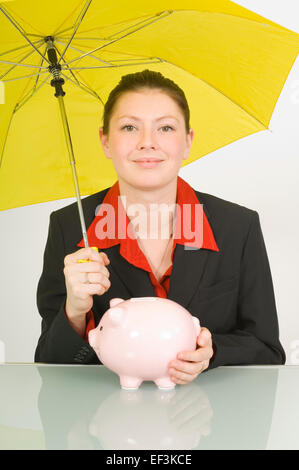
189, 140
104, 142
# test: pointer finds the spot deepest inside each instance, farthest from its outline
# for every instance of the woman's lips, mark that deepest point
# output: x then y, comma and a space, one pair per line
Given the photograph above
148, 163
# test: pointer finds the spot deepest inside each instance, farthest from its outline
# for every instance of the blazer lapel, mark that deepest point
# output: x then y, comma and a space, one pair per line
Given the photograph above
187, 272
189, 264
136, 280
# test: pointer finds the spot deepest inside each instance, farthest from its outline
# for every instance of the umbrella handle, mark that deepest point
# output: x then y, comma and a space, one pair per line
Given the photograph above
87, 260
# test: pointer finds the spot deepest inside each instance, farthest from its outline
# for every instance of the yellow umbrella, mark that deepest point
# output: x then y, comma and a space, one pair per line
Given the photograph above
231, 63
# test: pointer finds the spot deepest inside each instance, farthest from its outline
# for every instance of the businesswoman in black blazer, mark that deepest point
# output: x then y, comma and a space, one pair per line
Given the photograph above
222, 276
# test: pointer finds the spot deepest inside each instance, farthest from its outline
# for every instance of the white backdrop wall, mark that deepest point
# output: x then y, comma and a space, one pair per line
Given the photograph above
260, 172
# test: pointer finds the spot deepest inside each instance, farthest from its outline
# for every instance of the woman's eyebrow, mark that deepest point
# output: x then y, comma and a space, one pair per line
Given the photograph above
138, 119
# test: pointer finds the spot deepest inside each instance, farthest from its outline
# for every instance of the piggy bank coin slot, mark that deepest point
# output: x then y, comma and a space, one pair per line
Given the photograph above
143, 299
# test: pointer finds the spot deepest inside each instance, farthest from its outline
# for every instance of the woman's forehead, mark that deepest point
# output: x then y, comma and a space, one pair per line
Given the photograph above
131, 104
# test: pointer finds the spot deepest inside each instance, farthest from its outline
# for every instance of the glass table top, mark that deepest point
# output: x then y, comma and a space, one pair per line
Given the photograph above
45, 406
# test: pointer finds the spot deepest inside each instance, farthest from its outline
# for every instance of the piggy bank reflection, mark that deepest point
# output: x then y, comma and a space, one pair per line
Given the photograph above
137, 338
153, 419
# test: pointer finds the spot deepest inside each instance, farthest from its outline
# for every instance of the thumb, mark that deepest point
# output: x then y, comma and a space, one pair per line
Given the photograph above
105, 258
204, 337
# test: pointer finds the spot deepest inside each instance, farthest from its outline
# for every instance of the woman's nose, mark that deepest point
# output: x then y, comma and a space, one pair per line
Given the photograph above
147, 139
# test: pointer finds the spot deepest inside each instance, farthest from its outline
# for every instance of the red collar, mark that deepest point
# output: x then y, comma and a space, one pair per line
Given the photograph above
107, 228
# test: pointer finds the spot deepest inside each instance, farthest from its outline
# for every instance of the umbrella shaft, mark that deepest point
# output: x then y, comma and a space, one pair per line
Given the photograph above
73, 166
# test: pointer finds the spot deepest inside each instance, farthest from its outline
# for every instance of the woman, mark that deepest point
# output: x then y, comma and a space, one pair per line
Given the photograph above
221, 276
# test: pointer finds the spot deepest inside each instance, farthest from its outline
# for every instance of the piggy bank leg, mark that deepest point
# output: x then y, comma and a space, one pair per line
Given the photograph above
129, 383
165, 383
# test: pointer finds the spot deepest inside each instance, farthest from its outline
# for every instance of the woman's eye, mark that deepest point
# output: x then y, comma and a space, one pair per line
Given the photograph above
129, 128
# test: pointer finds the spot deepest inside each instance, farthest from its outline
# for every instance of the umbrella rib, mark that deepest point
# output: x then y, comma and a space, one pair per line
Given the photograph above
63, 31
158, 61
82, 14
21, 65
97, 58
139, 23
219, 91
5, 139
140, 58
20, 29
164, 13
80, 38
32, 34
112, 35
18, 48
8, 15
30, 93
21, 60
57, 31
84, 87
24, 76
37, 78
82, 52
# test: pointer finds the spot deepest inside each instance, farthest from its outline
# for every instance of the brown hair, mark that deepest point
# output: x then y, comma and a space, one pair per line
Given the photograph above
145, 79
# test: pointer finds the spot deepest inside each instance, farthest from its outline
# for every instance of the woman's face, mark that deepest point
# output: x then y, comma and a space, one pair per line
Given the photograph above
147, 139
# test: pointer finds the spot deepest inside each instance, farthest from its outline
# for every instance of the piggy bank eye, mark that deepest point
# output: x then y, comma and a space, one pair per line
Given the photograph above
101, 328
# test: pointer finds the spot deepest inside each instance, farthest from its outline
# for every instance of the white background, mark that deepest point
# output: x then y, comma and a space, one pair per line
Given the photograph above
259, 172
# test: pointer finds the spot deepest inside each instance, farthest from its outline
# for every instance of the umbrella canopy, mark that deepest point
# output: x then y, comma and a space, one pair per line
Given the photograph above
230, 62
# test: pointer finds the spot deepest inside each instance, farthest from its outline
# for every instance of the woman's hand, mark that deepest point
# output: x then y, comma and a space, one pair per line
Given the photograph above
189, 364
83, 280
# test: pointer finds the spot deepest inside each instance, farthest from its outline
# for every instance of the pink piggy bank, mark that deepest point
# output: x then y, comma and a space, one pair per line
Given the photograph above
137, 338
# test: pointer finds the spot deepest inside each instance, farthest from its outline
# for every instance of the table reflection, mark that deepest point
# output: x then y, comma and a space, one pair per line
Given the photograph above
85, 408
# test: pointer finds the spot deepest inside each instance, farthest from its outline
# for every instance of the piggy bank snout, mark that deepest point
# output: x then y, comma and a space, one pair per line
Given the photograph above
91, 338
115, 318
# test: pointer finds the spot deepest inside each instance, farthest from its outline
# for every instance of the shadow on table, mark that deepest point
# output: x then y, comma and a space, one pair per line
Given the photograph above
85, 408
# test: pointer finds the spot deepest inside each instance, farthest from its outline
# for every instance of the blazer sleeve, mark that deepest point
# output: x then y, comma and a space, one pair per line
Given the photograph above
256, 337
58, 342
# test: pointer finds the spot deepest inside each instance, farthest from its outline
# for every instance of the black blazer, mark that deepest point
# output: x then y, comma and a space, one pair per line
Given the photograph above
230, 291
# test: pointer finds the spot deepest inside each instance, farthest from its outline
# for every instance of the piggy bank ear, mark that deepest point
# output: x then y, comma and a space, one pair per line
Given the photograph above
116, 315
115, 301
196, 324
